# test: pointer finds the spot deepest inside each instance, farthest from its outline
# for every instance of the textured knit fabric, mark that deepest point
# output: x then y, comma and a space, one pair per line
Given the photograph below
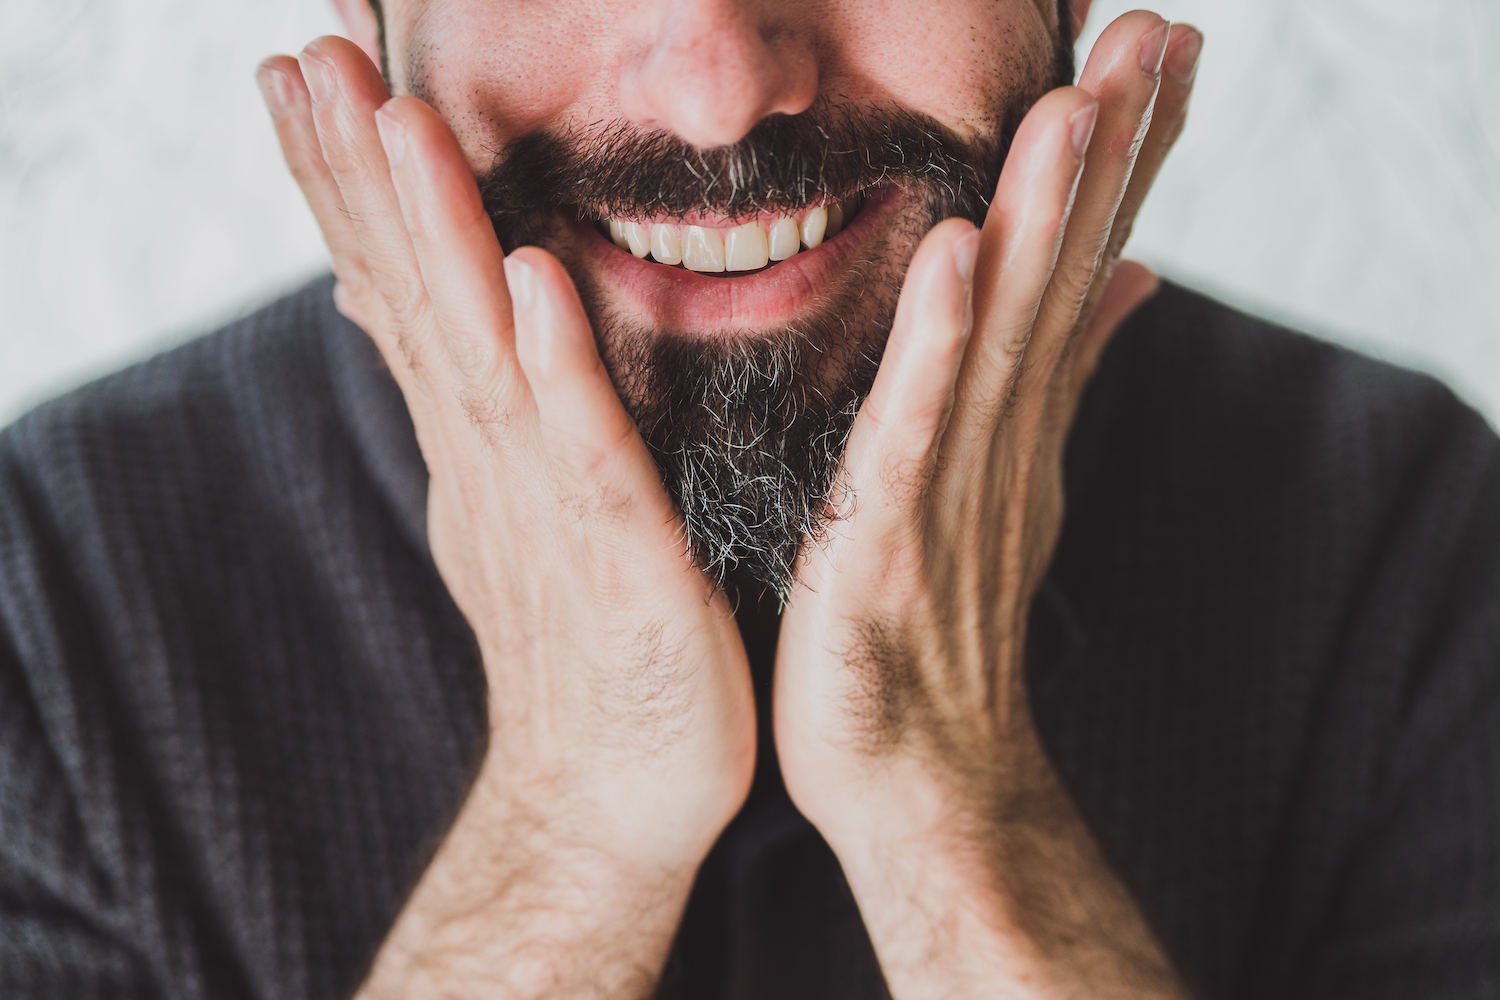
238, 709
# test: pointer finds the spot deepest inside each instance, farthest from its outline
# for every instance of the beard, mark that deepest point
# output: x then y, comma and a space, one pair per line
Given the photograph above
748, 427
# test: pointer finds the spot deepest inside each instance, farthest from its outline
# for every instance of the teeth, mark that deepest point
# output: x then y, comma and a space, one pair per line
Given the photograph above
785, 240
702, 249
617, 234
835, 220
745, 248
813, 227
630, 237
637, 237
666, 244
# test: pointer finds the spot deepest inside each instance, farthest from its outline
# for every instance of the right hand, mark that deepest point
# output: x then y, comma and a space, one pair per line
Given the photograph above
622, 719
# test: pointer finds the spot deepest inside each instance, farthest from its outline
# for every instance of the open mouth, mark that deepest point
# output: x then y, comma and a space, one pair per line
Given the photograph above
747, 246
714, 286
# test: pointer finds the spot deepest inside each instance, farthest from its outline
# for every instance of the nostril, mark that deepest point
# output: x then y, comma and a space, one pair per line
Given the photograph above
711, 87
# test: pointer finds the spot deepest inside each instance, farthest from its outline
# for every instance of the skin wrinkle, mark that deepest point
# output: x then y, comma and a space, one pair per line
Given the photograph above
777, 441
748, 437
939, 673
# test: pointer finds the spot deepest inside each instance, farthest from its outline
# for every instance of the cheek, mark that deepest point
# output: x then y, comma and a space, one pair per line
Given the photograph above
960, 61
496, 71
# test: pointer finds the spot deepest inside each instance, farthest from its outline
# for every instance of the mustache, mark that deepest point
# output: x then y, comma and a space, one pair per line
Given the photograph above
783, 164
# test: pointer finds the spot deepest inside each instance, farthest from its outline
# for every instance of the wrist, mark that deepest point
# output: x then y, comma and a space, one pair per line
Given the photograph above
1011, 889
943, 917
636, 830
521, 903
930, 794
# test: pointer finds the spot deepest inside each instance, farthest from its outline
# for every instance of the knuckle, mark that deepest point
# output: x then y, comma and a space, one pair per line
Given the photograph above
341, 159
474, 358
484, 412
996, 403
1125, 141
305, 173
907, 478
1071, 284
403, 294
354, 278
597, 504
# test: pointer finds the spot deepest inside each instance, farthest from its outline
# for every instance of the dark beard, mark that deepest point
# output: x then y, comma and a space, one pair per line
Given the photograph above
748, 428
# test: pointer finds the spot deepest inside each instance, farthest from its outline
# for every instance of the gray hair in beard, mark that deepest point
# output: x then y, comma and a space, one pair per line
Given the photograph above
748, 432
748, 429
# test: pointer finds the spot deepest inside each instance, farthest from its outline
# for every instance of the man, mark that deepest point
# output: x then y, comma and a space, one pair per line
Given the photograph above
447, 671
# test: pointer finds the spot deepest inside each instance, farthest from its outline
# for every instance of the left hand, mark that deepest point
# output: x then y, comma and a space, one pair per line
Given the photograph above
902, 723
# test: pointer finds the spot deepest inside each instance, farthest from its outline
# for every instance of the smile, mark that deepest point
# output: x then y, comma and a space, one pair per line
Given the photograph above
731, 289
751, 245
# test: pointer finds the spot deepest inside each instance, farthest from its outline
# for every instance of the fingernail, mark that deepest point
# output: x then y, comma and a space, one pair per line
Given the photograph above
1153, 47
1081, 129
274, 88
965, 252
1182, 61
319, 77
392, 136
520, 277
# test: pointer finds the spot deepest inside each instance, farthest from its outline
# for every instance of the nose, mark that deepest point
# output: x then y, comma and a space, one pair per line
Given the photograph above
708, 70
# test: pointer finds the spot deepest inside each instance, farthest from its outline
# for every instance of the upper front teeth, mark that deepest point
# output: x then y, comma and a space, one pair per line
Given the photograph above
743, 248
702, 249
785, 238
666, 243
746, 248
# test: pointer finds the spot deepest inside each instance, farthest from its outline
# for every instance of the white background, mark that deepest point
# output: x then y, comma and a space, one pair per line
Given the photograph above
1340, 172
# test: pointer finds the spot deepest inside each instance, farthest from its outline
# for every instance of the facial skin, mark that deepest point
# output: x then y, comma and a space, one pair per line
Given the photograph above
744, 383
622, 721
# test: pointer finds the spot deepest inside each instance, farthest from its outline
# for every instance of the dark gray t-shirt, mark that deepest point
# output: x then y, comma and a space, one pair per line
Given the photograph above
238, 709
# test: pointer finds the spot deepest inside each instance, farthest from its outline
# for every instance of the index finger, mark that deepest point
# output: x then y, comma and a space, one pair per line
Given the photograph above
346, 89
1124, 73
462, 264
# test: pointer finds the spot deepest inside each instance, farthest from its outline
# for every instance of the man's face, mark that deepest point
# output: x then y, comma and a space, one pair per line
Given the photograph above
718, 135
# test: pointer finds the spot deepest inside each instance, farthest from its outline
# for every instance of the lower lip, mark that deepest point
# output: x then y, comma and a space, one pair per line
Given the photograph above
709, 305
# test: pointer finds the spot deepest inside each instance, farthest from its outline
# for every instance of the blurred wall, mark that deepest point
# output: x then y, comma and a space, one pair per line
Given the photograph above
1340, 172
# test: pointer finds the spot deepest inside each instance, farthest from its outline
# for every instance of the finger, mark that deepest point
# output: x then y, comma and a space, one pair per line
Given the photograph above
346, 90
1168, 117
1131, 284
892, 447
1116, 292
584, 429
1018, 252
463, 267
286, 98
1123, 73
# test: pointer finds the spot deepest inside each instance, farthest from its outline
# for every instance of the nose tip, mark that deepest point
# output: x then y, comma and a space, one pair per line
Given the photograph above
714, 69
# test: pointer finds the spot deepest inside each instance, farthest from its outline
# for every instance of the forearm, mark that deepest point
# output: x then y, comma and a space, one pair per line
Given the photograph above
1012, 899
514, 907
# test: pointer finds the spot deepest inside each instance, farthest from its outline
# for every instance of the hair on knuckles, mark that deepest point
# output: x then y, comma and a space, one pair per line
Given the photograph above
748, 432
